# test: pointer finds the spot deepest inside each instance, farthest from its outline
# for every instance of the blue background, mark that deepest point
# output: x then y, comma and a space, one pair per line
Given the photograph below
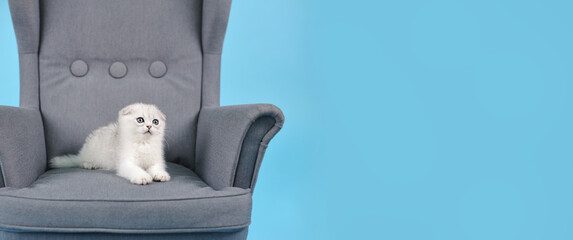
404, 119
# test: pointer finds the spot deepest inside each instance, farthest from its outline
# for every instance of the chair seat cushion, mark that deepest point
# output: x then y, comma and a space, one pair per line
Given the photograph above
81, 200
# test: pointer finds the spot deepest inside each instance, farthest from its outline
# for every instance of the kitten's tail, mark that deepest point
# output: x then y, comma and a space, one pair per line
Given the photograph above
66, 161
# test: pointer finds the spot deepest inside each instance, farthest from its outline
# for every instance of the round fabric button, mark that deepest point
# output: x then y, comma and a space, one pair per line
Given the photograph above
157, 69
79, 68
117, 70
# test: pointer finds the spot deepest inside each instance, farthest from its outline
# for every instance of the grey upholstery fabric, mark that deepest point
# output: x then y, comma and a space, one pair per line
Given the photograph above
134, 33
251, 149
22, 154
214, 25
211, 70
82, 200
220, 137
26, 19
166, 53
232, 235
215, 13
29, 83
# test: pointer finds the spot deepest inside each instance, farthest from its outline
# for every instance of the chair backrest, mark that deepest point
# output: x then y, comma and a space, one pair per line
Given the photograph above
83, 60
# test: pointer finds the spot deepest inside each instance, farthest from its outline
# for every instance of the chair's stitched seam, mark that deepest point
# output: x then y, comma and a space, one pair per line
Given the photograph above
101, 200
124, 230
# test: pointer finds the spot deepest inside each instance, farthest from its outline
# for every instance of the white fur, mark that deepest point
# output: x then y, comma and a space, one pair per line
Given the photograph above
125, 146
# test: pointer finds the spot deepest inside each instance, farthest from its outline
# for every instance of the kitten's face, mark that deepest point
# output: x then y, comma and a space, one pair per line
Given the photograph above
142, 121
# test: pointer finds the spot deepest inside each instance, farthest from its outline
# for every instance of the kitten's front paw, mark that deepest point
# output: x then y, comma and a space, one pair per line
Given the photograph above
89, 165
142, 179
161, 176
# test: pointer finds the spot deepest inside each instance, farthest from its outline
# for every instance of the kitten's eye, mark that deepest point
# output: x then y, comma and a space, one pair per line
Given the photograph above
140, 120
155, 121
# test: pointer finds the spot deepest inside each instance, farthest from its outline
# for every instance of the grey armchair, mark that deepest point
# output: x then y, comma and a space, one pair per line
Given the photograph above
81, 61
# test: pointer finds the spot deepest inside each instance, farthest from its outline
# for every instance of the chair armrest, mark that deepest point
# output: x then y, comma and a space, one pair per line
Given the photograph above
22, 146
231, 143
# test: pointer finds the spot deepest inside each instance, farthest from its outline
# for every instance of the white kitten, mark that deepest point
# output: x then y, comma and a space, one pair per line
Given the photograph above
133, 146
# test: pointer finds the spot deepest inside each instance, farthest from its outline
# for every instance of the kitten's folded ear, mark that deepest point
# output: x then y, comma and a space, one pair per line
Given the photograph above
163, 117
126, 110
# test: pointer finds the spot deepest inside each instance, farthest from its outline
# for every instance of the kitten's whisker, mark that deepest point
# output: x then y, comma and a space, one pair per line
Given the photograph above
166, 143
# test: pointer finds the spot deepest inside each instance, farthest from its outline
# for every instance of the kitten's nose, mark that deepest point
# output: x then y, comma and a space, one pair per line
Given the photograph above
148, 126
